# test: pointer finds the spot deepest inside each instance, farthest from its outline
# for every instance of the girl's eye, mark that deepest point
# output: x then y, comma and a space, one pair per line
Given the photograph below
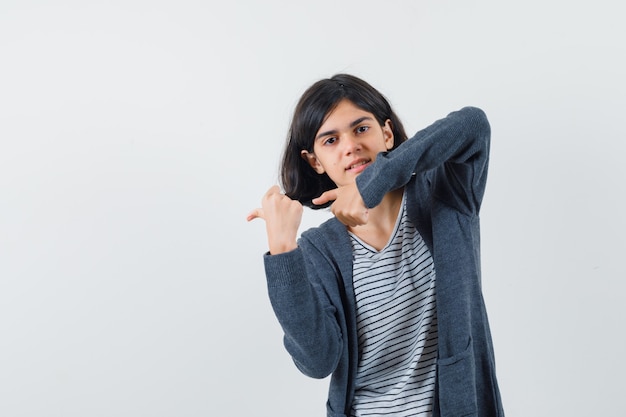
330, 141
362, 129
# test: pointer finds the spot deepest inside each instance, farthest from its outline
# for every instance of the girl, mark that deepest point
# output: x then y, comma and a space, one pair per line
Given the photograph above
386, 295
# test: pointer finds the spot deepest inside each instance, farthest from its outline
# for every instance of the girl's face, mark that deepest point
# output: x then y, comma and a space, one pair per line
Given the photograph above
348, 142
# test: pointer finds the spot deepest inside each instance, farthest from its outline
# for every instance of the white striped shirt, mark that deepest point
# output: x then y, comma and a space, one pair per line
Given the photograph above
396, 324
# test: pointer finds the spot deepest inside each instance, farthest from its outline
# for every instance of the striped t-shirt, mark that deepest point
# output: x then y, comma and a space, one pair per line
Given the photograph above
396, 324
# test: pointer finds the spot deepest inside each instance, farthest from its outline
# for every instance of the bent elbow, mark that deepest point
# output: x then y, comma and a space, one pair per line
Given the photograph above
317, 370
318, 361
477, 118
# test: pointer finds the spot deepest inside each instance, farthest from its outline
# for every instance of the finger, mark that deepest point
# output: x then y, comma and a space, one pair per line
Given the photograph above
274, 189
325, 197
257, 213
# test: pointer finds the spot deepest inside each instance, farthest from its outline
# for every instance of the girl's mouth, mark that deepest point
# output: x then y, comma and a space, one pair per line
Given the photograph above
359, 165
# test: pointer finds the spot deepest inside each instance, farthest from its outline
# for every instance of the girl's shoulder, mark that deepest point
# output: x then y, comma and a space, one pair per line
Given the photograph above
329, 229
329, 237
327, 247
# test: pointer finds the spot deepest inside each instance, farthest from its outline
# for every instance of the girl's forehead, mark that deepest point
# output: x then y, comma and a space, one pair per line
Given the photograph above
345, 112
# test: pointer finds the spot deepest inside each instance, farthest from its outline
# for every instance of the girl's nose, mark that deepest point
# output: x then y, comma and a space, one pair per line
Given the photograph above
351, 144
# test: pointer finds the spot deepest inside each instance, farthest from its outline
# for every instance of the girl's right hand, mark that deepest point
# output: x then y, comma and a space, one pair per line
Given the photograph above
282, 217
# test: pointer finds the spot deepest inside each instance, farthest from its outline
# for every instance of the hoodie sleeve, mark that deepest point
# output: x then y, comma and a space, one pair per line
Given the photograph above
455, 148
311, 332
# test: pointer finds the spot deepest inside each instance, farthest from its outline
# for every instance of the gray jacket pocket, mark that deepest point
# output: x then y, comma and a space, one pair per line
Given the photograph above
456, 376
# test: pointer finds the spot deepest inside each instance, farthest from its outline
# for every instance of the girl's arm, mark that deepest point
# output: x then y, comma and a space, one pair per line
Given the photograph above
457, 146
312, 335
311, 332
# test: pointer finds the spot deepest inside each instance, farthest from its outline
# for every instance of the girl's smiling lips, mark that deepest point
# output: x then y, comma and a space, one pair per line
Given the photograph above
358, 165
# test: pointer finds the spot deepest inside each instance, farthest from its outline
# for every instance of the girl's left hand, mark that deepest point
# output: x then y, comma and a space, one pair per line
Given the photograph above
348, 207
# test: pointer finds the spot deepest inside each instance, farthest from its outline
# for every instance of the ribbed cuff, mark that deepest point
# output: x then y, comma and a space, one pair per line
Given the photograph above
284, 268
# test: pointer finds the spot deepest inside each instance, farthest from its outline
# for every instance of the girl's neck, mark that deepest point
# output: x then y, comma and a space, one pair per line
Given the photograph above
381, 220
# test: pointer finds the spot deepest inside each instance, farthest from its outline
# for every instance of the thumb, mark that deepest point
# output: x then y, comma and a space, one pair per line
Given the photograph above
327, 196
257, 213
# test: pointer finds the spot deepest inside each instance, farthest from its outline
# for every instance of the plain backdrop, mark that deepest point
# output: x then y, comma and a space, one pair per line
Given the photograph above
135, 136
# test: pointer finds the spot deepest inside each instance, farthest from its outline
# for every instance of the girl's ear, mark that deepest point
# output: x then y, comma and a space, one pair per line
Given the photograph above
313, 161
388, 134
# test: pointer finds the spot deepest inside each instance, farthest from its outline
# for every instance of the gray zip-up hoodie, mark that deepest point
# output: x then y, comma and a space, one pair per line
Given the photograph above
444, 170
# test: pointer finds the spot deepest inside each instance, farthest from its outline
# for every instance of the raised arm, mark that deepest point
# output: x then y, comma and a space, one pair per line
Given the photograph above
457, 147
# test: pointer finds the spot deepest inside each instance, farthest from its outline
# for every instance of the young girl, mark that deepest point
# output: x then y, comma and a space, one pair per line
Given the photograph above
386, 295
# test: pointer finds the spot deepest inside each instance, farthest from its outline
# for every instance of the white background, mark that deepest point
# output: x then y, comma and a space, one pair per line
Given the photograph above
135, 136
